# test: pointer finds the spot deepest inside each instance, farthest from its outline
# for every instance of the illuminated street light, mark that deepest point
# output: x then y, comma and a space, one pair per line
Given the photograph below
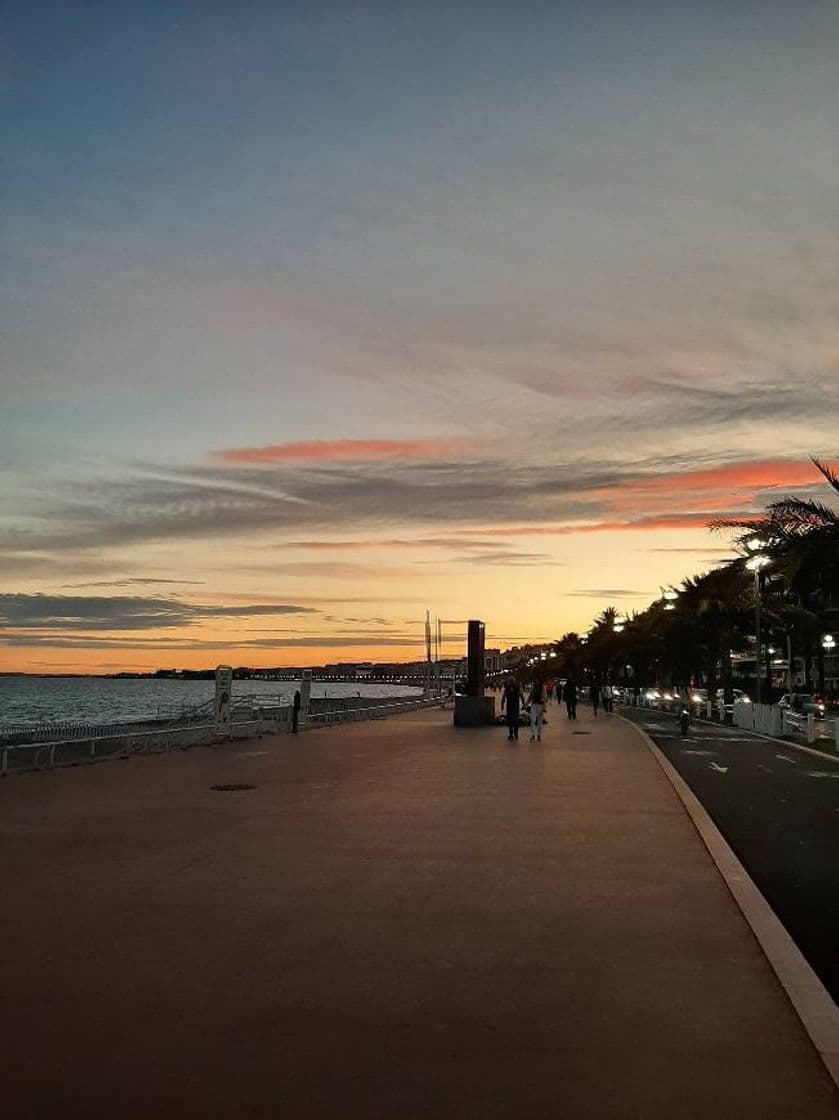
828, 643
669, 595
755, 562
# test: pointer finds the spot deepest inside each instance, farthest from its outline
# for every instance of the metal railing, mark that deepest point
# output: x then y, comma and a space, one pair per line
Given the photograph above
87, 743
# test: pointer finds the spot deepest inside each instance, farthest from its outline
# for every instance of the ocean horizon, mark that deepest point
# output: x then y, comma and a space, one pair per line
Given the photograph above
28, 699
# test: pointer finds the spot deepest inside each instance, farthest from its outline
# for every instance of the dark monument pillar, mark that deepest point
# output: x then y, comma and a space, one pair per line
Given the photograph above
474, 709
475, 661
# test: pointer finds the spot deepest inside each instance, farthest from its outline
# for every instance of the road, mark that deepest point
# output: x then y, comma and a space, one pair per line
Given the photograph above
778, 808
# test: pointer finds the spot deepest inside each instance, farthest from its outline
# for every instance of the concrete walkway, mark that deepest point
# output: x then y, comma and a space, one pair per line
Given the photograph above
402, 919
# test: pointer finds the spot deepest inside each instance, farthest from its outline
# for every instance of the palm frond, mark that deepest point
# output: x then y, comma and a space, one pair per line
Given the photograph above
803, 515
831, 475
753, 524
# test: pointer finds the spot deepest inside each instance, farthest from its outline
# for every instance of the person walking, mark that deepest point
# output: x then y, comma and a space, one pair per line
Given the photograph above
295, 711
594, 695
511, 702
569, 695
537, 708
607, 697
549, 690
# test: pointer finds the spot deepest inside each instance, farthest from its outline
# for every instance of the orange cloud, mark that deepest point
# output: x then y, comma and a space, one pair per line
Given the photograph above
714, 490
342, 450
763, 474
663, 521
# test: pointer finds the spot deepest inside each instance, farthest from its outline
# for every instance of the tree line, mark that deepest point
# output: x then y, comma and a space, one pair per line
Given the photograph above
787, 564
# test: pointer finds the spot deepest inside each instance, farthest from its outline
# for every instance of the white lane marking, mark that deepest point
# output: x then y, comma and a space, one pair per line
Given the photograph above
718, 768
766, 769
704, 754
787, 759
823, 774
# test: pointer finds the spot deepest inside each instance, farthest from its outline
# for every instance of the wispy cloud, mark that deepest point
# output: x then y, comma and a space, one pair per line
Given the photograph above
606, 593
510, 558
134, 581
469, 500
410, 543
163, 644
122, 612
342, 451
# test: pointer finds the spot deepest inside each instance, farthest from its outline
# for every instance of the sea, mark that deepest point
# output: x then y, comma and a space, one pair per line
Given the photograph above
25, 700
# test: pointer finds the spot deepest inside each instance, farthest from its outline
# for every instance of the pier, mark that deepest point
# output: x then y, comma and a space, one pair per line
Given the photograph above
398, 918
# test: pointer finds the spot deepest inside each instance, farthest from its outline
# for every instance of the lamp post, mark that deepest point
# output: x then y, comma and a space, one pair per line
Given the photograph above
756, 561
828, 645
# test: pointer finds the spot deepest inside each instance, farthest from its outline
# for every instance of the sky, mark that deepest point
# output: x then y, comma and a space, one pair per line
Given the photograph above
318, 316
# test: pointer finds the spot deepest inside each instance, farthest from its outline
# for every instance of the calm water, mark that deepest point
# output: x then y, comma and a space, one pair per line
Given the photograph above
97, 700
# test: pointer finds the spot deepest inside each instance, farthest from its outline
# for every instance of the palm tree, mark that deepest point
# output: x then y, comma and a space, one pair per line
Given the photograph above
801, 538
720, 601
568, 651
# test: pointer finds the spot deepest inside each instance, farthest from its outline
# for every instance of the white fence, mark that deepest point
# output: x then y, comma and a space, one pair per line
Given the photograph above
769, 719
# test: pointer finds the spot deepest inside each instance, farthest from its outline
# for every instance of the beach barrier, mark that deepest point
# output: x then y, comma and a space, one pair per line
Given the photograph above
49, 747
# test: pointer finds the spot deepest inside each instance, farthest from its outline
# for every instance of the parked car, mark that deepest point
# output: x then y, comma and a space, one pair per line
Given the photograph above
803, 703
652, 698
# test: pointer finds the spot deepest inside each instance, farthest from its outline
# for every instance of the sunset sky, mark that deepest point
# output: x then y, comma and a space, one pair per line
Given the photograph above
319, 315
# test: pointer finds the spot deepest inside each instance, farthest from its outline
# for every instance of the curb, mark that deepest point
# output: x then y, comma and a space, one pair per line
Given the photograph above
808, 996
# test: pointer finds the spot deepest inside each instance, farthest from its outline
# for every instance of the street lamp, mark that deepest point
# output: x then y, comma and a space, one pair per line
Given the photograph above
670, 595
755, 562
828, 645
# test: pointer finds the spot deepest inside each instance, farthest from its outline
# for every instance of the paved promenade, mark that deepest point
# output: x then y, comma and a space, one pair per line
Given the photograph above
402, 919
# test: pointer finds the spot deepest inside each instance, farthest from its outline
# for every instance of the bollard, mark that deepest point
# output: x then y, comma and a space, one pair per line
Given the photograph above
811, 728
836, 734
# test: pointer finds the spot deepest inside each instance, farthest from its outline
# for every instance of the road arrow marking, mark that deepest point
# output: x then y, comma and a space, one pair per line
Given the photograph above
704, 754
720, 769
786, 759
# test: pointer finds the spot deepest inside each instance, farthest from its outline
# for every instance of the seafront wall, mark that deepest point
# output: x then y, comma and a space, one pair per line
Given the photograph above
48, 747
